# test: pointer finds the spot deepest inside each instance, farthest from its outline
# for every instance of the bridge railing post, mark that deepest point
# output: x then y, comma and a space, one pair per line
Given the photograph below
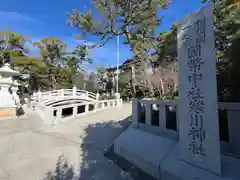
117, 95
97, 96
87, 94
34, 96
119, 102
74, 91
61, 92
95, 106
58, 117
86, 108
136, 107
39, 95
75, 107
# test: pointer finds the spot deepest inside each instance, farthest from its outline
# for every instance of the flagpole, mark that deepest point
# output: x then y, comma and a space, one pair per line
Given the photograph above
118, 55
85, 58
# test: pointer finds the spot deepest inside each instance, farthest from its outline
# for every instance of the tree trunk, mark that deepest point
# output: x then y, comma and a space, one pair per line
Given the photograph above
149, 81
133, 77
53, 81
162, 85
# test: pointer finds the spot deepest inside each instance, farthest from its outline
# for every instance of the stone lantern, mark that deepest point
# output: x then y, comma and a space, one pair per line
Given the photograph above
9, 100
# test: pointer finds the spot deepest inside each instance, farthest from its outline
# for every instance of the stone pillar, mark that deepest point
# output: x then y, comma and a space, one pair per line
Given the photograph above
198, 108
148, 113
135, 112
233, 129
162, 116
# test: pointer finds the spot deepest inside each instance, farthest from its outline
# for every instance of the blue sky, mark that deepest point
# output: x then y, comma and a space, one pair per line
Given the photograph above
38, 19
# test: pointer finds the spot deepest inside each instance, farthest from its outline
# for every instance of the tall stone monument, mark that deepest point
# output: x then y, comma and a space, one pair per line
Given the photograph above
9, 99
198, 110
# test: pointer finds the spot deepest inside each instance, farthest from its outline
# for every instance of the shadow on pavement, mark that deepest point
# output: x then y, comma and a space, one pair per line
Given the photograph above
97, 141
63, 171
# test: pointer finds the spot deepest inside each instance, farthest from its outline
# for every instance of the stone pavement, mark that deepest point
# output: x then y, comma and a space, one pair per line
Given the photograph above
73, 150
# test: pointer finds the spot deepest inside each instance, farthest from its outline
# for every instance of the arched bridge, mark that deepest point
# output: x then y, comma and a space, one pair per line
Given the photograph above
64, 94
65, 104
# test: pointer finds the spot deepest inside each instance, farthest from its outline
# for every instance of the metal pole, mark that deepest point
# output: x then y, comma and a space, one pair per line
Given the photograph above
84, 73
86, 54
118, 55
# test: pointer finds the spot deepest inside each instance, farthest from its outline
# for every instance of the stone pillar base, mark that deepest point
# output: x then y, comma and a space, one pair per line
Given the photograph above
8, 111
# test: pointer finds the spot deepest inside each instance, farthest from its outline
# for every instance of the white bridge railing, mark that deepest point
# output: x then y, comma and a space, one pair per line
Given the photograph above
74, 92
161, 117
53, 115
65, 104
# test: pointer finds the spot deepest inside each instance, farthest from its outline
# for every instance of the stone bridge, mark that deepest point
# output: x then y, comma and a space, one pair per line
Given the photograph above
65, 104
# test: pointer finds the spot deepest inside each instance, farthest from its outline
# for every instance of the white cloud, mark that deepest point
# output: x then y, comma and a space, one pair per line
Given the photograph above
19, 23
10, 17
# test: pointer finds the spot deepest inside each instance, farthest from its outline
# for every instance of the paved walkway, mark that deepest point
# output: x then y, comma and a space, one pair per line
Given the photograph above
30, 150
